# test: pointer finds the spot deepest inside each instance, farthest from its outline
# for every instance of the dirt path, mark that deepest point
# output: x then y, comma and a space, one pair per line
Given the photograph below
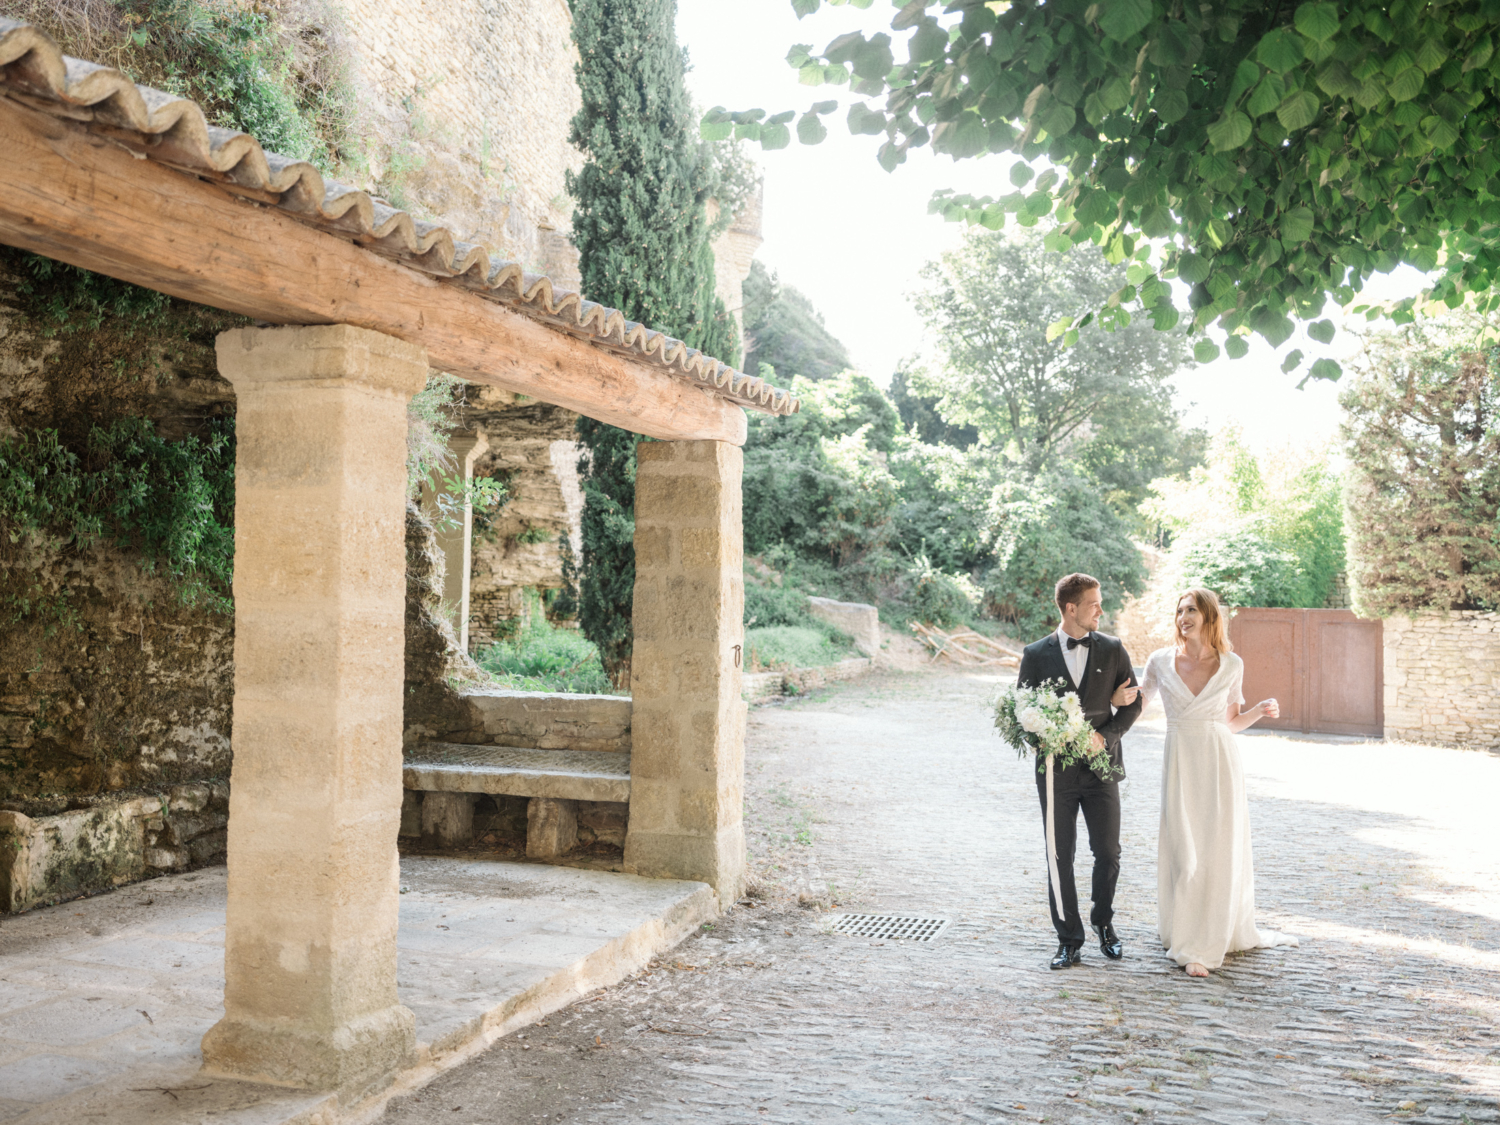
892, 794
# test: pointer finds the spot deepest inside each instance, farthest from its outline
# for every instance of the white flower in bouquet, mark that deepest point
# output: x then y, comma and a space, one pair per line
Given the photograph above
1032, 720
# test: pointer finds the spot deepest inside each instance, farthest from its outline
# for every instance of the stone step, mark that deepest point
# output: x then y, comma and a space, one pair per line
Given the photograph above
573, 775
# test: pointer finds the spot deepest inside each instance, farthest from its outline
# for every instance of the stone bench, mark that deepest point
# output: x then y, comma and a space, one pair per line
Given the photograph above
454, 775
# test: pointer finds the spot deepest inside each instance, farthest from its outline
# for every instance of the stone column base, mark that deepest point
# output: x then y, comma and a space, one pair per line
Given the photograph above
717, 860
354, 1059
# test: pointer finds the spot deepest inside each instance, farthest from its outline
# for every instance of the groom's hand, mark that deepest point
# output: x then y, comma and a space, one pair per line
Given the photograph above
1097, 740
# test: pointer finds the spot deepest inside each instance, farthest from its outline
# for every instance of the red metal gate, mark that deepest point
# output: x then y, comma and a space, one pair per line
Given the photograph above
1326, 667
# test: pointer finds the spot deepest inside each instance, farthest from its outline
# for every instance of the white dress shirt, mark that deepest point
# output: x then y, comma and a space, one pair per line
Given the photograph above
1076, 658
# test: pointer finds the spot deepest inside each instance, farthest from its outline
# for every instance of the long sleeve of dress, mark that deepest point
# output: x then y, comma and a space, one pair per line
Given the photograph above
1237, 682
1151, 682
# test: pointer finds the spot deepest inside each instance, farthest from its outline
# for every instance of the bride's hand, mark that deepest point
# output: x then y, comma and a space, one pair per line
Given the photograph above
1268, 709
1124, 695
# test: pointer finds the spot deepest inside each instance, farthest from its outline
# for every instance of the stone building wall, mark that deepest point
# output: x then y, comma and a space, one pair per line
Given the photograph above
1442, 678
734, 250
469, 104
533, 449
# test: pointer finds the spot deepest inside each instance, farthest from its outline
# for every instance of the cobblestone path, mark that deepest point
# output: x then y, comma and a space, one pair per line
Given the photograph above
893, 793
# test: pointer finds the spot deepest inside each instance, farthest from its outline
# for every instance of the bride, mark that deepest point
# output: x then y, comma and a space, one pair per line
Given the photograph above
1205, 877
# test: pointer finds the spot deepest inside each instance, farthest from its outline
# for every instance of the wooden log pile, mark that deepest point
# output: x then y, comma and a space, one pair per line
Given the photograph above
966, 648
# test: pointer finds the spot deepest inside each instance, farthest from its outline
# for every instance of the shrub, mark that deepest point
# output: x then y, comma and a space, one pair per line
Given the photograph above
542, 657
1047, 527
938, 598
1424, 479
1258, 531
793, 646
171, 500
1244, 568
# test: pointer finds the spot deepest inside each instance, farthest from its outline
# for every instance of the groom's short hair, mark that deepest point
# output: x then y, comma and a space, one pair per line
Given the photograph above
1071, 587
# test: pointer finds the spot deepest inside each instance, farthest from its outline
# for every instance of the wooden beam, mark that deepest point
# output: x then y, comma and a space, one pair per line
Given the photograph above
77, 196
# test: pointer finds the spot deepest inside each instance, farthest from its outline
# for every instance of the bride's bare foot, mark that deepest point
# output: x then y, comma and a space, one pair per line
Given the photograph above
1196, 970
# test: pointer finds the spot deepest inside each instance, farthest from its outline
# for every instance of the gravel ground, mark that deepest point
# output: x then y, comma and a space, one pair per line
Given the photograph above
891, 794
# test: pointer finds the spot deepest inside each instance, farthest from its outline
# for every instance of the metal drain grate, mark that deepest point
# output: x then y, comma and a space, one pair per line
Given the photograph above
894, 927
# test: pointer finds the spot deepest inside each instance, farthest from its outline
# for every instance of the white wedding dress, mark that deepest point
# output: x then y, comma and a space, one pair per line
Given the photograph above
1205, 877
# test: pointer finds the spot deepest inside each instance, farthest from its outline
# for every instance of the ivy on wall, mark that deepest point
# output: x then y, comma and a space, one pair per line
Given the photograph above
173, 501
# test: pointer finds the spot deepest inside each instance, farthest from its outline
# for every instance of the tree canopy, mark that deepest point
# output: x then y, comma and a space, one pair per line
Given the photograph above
784, 330
1278, 153
1106, 401
1424, 469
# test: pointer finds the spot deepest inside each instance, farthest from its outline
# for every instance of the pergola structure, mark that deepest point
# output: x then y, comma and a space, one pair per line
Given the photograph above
360, 302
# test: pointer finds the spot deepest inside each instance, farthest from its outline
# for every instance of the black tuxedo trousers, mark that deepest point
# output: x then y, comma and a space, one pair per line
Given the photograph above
1078, 789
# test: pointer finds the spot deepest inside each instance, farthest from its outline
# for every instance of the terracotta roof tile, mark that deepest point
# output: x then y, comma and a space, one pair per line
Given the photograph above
173, 131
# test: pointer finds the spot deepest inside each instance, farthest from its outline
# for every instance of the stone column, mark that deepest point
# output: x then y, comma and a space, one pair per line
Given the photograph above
456, 539
315, 802
687, 717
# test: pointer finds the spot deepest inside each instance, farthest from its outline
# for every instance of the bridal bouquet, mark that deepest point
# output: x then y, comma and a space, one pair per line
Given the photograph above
1049, 720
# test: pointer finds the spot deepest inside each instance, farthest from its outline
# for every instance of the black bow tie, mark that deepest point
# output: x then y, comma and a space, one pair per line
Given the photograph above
1074, 642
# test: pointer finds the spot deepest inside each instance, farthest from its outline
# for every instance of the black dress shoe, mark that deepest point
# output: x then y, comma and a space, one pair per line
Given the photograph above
1109, 942
1066, 957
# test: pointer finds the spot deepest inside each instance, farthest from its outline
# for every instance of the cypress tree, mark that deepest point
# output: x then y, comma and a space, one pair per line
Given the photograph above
643, 241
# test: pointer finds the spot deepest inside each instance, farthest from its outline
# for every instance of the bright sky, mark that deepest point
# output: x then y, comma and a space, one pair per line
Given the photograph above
853, 237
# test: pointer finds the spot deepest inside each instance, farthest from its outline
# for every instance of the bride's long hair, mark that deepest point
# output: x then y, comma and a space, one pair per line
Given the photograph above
1215, 628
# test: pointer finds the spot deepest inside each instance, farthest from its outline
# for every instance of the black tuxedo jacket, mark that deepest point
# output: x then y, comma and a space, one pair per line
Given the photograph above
1108, 667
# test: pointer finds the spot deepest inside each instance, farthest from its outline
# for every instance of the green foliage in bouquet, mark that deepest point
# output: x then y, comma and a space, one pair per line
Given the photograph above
1049, 720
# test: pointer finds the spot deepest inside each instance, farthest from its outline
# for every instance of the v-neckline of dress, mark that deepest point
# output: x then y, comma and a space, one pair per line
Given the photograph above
1211, 679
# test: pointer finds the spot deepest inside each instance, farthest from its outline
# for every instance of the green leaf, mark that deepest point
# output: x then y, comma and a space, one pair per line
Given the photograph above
1431, 54
1319, 22
1192, 269
715, 125
1322, 331
811, 130
1120, 19
1057, 121
1279, 51
1442, 134
863, 121
805, 7
1325, 369
1205, 351
773, 137
1298, 111
1230, 131
1021, 173
782, 118
1291, 362
1296, 225
799, 56
1236, 347
1246, 75
1057, 241
1058, 327
1406, 85
1170, 106
1268, 95
811, 74
1164, 316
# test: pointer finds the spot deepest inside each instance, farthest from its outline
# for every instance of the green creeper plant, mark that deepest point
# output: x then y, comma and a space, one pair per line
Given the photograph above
642, 233
1276, 154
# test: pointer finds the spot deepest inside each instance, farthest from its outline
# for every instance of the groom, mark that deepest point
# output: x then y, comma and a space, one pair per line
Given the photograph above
1092, 665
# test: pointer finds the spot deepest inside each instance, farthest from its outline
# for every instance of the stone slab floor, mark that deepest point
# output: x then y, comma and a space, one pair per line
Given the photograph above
892, 794
103, 1001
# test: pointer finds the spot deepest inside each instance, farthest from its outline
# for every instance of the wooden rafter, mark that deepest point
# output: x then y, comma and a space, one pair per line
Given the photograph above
74, 194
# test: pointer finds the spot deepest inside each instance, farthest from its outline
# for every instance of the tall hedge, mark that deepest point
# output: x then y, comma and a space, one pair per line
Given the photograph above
643, 241
1423, 495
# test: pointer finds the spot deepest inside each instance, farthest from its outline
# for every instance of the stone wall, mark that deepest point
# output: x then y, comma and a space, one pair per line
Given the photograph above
534, 451
469, 104
1442, 678
734, 249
